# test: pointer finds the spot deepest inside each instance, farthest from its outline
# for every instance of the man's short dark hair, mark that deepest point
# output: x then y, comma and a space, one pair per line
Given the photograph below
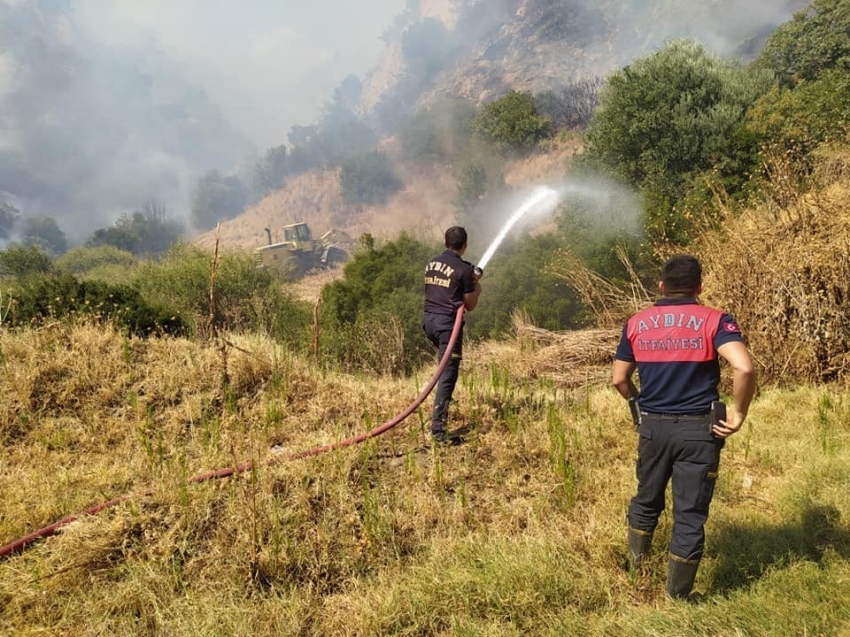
455, 238
681, 274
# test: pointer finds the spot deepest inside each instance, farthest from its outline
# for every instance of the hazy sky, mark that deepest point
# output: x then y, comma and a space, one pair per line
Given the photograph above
268, 64
106, 103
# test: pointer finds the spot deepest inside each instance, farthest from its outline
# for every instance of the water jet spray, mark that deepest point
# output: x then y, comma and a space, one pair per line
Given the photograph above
536, 200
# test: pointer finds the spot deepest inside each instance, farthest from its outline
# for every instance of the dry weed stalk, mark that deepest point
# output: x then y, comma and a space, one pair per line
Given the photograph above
610, 303
784, 272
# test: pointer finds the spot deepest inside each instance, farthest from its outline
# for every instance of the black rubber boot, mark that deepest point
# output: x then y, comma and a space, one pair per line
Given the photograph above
681, 574
439, 420
640, 543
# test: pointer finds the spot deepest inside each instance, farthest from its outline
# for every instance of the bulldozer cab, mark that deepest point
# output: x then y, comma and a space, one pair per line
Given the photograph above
297, 233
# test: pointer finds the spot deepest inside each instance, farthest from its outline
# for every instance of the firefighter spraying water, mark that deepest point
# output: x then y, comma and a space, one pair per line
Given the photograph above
451, 288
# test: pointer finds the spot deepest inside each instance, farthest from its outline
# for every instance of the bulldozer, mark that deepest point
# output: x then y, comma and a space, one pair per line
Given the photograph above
299, 253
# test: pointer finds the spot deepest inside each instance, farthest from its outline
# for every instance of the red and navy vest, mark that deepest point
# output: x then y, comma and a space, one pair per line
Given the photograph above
674, 345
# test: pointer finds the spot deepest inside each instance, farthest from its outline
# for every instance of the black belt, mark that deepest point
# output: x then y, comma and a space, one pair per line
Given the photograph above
698, 416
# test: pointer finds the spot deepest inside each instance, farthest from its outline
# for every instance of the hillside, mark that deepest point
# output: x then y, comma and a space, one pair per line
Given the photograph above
424, 207
539, 45
485, 50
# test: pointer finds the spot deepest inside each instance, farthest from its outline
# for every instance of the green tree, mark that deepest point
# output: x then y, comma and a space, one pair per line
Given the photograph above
426, 47
472, 187
512, 122
42, 296
44, 232
342, 132
813, 41
90, 262
148, 231
217, 198
271, 171
368, 178
439, 132
246, 297
669, 117
794, 121
518, 281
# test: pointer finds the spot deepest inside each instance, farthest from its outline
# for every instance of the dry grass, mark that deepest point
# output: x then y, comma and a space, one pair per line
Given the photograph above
783, 270
517, 531
423, 208
570, 359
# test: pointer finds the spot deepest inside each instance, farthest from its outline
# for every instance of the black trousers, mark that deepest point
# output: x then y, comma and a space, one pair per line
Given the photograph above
438, 329
681, 448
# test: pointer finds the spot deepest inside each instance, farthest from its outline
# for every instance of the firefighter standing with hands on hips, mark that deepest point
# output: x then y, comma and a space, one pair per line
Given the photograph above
674, 345
450, 282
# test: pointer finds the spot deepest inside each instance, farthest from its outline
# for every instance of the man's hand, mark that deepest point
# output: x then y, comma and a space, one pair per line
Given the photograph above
731, 425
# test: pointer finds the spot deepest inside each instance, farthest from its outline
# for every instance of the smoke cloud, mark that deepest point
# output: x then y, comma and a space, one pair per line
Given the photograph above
104, 106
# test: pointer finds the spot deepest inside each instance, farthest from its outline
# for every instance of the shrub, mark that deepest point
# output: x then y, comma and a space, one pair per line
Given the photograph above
667, 118
9, 215
519, 281
814, 41
89, 263
512, 122
19, 261
46, 296
43, 231
372, 316
426, 47
792, 122
438, 133
570, 107
246, 297
217, 198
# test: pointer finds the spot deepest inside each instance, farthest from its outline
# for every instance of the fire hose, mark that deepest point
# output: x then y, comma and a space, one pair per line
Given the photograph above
19, 545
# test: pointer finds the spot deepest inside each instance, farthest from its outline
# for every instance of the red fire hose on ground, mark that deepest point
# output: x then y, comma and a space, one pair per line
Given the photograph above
19, 545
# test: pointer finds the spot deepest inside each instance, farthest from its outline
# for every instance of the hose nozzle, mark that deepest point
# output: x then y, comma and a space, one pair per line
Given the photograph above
479, 272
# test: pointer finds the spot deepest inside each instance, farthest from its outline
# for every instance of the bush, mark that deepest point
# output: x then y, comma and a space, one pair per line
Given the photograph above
373, 316
572, 106
216, 198
512, 122
426, 47
368, 178
438, 133
792, 122
9, 215
45, 296
147, 232
246, 297
97, 262
814, 41
19, 261
43, 232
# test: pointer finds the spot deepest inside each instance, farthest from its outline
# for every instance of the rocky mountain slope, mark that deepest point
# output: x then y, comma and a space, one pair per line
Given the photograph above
478, 50
498, 45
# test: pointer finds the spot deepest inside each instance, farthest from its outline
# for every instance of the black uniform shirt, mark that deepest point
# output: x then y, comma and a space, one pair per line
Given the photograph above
447, 279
